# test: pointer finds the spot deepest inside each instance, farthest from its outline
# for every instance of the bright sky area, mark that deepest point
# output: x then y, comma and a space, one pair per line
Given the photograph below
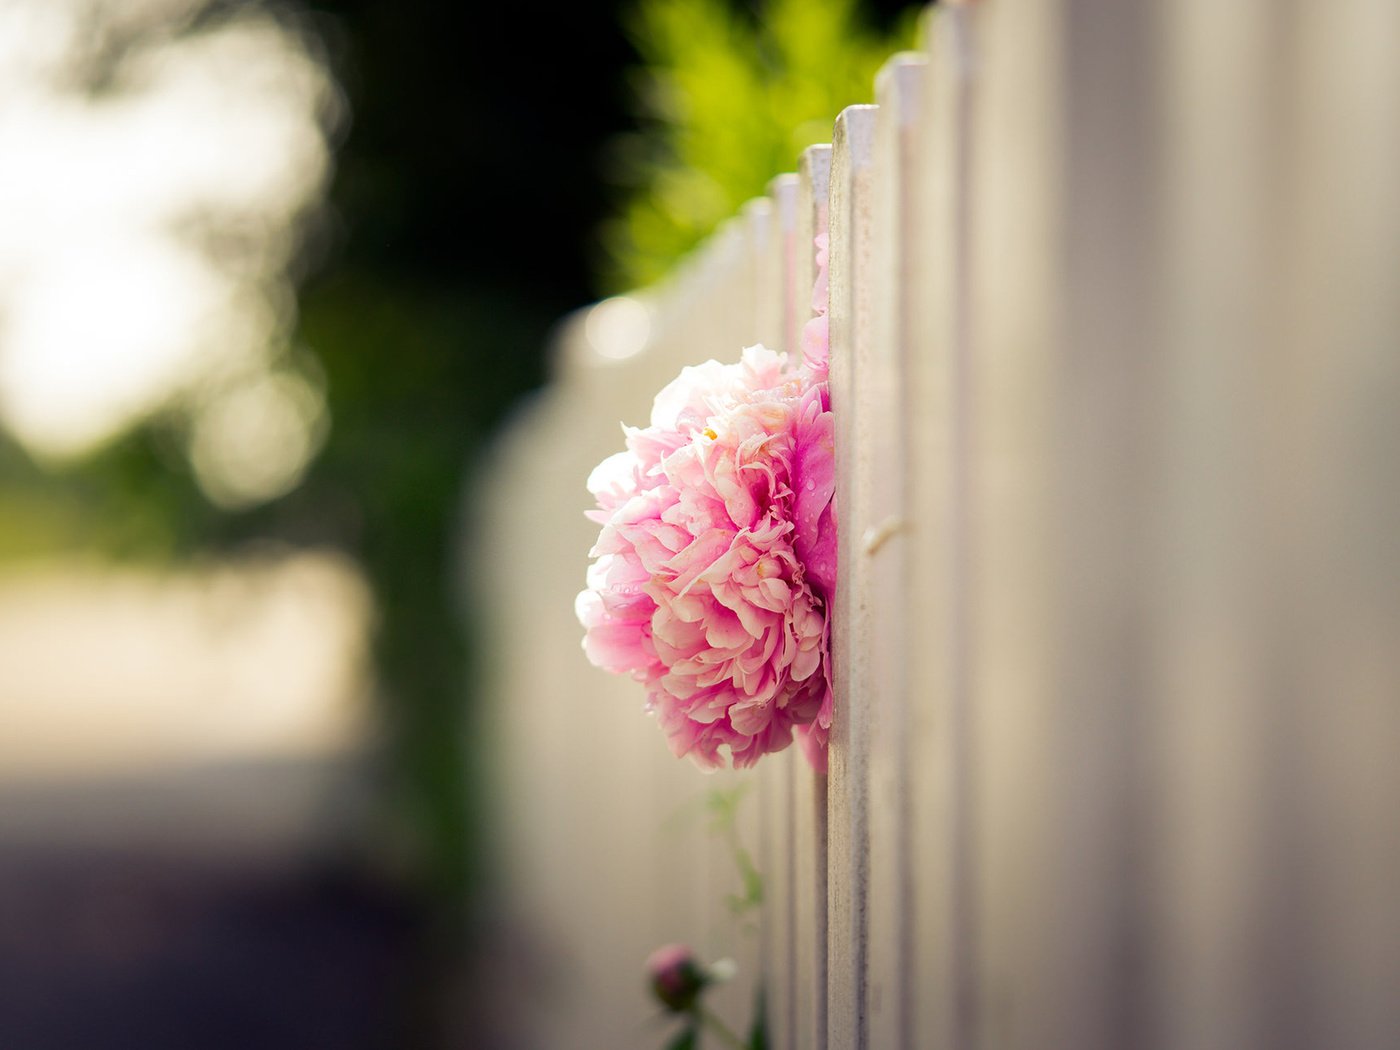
154, 176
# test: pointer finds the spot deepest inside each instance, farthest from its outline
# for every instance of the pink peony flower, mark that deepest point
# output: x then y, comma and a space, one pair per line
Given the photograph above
716, 564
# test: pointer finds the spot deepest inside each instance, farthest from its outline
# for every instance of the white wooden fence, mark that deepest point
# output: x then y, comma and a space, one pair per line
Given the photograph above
1115, 317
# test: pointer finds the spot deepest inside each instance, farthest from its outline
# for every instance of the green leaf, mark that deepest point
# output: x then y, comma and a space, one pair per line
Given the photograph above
686, 1039
729, 95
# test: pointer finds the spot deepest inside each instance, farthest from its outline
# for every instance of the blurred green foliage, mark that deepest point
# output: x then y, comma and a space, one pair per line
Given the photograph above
729, 98
131, 500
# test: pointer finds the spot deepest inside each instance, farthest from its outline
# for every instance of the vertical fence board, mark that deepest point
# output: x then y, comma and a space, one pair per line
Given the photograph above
776, 773
776, 855
759, 810
766, 322
1014, 323
852, 369
730, 932
1335, 446
1219, 68
1106, 495
809, 788
940, 920
896, 225
686, 853
1061, 462
783, 196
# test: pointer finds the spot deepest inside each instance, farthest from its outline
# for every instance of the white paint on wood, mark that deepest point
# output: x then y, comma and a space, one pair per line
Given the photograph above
940, 924
1016, 132
853, 621
1339, 474
776, 774
883, 546
809, 790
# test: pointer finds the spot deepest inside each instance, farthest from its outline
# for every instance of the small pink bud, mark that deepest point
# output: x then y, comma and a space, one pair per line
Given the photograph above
676, 978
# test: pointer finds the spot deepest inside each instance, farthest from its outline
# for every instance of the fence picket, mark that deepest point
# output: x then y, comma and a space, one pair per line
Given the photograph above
1337, 468
732, 930
809, 920
894, 221
776, 775
852, 293
1013, 320
943, 951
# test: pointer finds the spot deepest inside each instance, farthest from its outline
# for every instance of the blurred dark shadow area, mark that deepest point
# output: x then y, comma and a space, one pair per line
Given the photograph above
271, 274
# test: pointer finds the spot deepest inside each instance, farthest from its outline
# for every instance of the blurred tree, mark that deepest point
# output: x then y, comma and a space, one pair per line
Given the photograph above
729, 98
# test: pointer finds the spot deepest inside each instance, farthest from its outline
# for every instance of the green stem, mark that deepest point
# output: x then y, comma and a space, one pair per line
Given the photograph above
719, 1028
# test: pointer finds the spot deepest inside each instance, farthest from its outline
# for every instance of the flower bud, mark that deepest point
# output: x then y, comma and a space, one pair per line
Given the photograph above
676, 977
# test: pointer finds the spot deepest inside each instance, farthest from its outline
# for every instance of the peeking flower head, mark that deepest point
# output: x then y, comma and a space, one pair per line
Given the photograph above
714, 571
